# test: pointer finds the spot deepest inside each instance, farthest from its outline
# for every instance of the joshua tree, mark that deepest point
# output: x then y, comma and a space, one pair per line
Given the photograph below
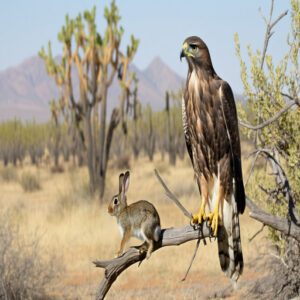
96, 59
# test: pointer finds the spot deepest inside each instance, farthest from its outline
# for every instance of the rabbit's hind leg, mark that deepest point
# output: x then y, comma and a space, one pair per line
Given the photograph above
147, 235
150, 248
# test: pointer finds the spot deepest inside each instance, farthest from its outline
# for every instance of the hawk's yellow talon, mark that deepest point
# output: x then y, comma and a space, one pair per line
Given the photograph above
199, 217
213, 219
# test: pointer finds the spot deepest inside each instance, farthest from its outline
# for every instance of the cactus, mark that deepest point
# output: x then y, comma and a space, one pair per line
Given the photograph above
136, 115
150, 141
170, 134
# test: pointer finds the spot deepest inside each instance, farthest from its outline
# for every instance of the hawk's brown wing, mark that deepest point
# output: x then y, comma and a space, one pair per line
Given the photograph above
231, 120
185, 129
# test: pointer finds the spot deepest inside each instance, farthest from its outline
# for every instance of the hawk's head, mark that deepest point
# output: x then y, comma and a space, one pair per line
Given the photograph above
195, 51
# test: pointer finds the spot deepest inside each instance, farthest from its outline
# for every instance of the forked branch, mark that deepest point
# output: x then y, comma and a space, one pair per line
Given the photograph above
177, 236
169, 237
269, 121
282, 224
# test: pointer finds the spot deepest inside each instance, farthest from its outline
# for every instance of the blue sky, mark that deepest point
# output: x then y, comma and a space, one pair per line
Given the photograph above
161, 27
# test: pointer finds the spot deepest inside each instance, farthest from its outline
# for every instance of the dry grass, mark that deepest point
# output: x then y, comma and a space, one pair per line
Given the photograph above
30, 182
79, 230
8, 174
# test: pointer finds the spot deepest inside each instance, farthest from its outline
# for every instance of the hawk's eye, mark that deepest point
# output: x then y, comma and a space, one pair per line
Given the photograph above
115, 201
193, 46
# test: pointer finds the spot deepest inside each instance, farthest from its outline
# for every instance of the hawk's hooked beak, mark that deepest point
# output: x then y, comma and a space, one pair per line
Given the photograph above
182, 54
186, 51
183, 50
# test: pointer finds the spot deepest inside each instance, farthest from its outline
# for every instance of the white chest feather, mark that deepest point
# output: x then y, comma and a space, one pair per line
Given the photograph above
193, 84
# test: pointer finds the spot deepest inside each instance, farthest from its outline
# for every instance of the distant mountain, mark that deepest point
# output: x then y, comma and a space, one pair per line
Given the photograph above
25, 90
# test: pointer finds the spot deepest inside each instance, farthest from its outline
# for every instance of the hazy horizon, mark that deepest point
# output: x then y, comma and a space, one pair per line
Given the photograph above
161, 29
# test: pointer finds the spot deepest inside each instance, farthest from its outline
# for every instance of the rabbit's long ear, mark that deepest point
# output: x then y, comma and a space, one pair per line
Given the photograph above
121, 177
126, 181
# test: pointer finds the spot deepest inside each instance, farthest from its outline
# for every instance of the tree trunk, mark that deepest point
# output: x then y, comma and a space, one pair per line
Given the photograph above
90, 149
102, 144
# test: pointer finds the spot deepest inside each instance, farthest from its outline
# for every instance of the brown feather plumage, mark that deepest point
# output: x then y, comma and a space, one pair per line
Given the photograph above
212, 138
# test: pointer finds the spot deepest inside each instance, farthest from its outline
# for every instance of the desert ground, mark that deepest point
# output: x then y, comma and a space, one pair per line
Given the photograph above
77, 229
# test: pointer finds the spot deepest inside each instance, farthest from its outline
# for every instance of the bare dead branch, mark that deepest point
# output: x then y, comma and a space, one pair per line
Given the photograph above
283, 183
271, 120
192, 260
177, 236
252, 168
295, 99
279, 18
257, 233
169, 237
284, 225
269, 33
170, 195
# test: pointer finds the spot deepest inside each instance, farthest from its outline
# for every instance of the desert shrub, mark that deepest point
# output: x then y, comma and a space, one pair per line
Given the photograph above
57, 169
26, 269
8, 174
272, 93
30, 182
77, 195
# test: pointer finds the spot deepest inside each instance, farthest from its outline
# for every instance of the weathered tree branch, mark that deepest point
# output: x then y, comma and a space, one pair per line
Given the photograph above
283, 183
296, 99
171, 196
281, 224
269, 33
169, 237
271, 120
177, 236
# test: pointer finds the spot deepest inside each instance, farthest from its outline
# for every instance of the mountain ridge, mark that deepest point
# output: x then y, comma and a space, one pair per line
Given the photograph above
26, 89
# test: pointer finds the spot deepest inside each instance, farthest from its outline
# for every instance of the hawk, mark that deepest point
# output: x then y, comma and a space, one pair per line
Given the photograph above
212, 138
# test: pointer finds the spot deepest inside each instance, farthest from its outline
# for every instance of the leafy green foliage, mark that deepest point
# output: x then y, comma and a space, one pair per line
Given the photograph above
269, 88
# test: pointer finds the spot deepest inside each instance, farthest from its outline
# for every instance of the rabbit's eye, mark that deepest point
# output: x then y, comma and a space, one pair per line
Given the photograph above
115, 201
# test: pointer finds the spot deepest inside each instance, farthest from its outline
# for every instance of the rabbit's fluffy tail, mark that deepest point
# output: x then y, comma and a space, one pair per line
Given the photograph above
157, 232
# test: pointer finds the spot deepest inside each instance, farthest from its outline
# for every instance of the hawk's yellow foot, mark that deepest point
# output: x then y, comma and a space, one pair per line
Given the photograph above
213, 219
199, 217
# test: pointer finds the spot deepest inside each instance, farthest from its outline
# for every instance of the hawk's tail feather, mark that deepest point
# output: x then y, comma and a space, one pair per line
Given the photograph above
229, 242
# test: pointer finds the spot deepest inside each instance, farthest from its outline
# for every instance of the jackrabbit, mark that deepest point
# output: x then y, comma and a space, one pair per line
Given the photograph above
139, 219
